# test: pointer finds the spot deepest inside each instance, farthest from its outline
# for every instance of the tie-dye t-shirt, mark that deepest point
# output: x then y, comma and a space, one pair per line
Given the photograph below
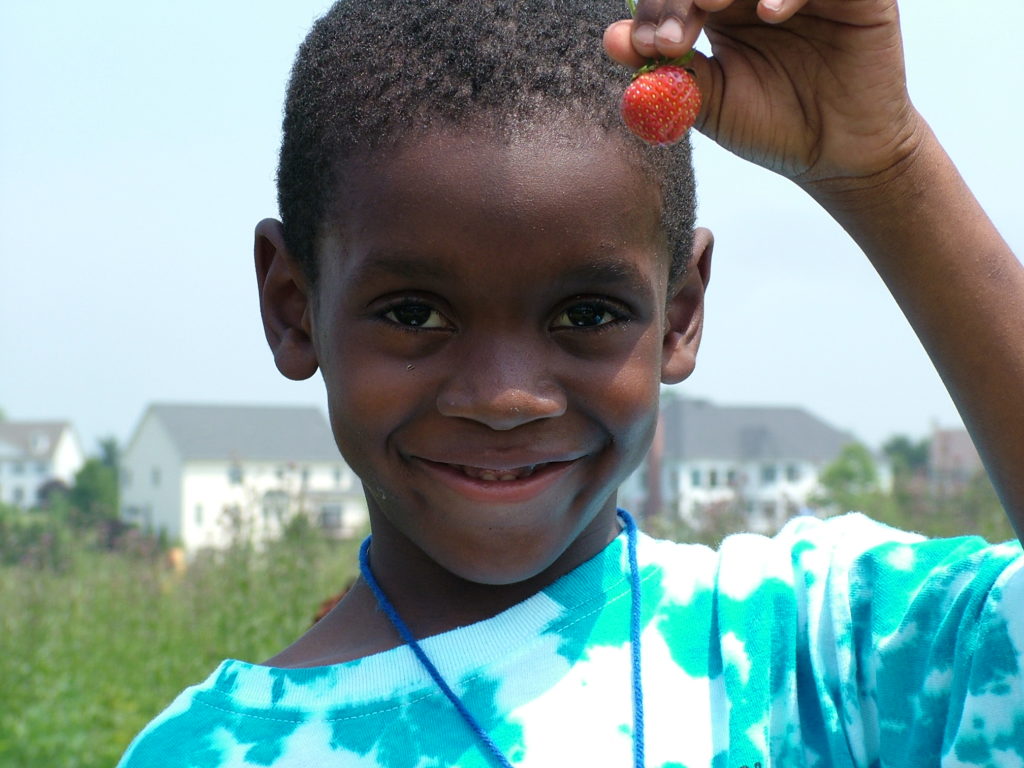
839, 643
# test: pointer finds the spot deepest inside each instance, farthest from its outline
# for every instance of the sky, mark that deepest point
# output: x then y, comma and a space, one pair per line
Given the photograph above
138, 147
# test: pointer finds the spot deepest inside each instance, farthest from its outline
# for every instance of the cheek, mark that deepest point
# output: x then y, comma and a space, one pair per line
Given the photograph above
368, 394
629, 393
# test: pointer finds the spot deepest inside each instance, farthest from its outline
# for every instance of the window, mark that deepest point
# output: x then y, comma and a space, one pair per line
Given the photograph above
337, 475
730, 478
235, 475
199, 514
695, 478
17, 468
792, 473
154, 476
19, 495
769, 474
41, 468
330, 516
713, 478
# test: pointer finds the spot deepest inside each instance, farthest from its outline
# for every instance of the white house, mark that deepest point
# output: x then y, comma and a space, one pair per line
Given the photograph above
763, 461
209, 475
35, 455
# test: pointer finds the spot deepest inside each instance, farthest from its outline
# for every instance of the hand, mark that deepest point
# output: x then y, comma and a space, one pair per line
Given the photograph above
814, 89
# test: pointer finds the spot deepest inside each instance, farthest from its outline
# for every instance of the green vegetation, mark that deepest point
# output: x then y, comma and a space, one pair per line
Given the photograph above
852, 482
94, 642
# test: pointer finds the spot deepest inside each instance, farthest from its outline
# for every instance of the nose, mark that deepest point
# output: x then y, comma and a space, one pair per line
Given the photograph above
502, 386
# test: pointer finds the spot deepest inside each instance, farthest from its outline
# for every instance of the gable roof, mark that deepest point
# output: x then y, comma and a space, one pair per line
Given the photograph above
31, 440
247, 432
698, 429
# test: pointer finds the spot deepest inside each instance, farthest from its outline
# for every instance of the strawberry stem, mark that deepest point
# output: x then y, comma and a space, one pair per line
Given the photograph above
652, 65
631, 4
681, 61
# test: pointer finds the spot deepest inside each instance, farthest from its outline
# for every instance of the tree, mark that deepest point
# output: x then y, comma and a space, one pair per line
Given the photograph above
110, 452
94, 496
907, 456
851, 483
975, 509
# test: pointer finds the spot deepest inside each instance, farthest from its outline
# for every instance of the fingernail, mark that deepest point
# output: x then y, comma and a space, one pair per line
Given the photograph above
644, 35
671, 30
772, 5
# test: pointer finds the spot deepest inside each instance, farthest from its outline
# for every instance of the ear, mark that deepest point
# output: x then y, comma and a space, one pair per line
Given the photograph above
285, 303
684, 317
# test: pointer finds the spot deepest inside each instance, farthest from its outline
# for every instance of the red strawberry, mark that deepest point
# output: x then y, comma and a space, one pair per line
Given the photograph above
661, 103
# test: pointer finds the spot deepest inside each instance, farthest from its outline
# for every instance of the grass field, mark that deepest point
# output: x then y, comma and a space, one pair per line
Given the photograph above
92, 649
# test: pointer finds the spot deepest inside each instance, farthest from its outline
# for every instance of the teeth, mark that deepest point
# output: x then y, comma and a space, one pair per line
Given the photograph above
498, 475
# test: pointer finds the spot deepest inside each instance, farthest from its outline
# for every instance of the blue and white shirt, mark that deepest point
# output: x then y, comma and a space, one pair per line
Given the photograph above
836, 643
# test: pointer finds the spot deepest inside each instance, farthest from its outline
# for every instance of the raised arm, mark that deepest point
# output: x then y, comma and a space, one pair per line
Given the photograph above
816, 91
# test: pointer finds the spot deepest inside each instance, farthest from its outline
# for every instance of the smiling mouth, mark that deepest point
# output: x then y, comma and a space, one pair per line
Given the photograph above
502, 485
497, 475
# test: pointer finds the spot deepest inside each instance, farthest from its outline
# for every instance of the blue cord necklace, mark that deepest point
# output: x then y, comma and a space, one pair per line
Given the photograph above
634, 642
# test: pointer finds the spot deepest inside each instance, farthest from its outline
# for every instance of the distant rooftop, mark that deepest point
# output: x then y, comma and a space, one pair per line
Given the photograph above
698, 429
247, 432
30, 440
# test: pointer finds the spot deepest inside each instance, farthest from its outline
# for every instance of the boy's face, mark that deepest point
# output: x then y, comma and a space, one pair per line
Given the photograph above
492, 324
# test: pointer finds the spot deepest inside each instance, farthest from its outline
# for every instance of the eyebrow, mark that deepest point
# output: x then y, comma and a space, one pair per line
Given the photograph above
401, 263
607, 270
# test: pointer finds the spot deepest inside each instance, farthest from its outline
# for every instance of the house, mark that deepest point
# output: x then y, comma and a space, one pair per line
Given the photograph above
953, 461
762, 462
35, 456
210, 475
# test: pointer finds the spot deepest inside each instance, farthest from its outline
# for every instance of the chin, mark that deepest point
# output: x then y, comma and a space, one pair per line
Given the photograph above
520, 557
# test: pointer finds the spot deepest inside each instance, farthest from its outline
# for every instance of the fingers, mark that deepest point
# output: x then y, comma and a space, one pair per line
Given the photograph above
667, 41
669, 28
777, 11
771, 11
666, 28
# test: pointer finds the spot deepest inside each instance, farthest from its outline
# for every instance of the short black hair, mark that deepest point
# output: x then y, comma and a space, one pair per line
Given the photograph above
371, 73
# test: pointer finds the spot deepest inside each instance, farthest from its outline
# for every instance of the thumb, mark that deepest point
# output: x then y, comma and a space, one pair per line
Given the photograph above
619, 46
708, 76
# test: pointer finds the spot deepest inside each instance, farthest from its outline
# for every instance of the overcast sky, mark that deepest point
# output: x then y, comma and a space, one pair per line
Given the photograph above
138, 146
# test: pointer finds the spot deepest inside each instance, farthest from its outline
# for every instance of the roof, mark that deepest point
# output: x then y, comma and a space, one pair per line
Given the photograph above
698, 429
30, 440
247, 432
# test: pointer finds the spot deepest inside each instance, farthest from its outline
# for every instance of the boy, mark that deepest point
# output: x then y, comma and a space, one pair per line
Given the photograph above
494, 279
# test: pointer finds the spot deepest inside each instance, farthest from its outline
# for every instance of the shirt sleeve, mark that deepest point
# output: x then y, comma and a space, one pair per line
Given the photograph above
917, 646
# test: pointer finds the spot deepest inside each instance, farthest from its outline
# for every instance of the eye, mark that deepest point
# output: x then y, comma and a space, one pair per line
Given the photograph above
588, 314
414, 314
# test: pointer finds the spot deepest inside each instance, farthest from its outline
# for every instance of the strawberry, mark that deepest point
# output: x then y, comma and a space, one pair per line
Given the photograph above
661, 103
